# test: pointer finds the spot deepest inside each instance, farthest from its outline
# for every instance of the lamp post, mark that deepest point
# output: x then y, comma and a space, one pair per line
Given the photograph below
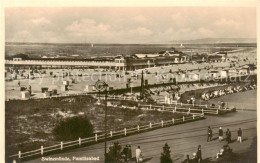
102, 86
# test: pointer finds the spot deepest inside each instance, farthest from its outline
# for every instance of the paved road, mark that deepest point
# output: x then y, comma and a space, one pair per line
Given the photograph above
183, 139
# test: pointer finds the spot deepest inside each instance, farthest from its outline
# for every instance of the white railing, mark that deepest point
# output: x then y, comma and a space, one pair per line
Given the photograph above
125, 132
213, 111
117, 97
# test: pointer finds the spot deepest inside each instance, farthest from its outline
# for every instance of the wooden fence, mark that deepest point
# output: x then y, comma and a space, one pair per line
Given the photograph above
184, 110
97, 138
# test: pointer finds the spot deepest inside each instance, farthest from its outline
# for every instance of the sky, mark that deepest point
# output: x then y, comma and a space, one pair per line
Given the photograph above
127, 25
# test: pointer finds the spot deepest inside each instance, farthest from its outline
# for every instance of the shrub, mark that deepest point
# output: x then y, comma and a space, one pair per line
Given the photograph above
166, 155
73, 128
114, 153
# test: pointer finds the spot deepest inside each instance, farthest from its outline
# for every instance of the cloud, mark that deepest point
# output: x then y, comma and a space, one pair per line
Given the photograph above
132, 25
40, 21
226, 22
144, 31
87, 26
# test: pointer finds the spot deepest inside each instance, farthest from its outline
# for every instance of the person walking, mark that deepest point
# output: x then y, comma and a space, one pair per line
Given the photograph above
129, 152
199, 154
239, 135
228, 136
209, 134
220, 134
138, 154
125, 152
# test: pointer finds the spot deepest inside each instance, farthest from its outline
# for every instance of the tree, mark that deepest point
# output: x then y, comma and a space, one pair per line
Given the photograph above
73, 128
114, 153
166, 155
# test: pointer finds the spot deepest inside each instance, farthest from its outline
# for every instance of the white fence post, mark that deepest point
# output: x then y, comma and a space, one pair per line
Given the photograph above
79, 141
189, 110
125, 131
134, 107
217, 111
202, 110
172, 120
41, 150
19, 154
193, 116
173, 111
61, 145
150, 125
183, 118
95, 137
175, 108
150, 107
181, 103
193, 104
124, 97
162, 123
138, 128
206, 106
111, 133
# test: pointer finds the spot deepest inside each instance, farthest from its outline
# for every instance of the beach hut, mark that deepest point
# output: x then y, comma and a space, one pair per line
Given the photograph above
66, 83
64, 88
14, 76
44, 89
232, 72
213, 74
22, 88
89, 88
25, 94
243, 71
54, 92
223, 73
47, 94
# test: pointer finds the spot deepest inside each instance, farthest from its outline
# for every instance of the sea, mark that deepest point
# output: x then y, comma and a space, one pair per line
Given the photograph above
88, 50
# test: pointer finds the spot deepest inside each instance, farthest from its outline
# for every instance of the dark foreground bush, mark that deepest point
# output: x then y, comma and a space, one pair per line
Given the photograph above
73, 128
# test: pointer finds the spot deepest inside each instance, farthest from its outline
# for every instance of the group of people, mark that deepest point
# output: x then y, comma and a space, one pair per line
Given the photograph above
127, 153
169, 89
217, 93
197, 156
221, 134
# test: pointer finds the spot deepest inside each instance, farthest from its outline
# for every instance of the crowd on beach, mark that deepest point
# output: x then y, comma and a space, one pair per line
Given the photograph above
230, 90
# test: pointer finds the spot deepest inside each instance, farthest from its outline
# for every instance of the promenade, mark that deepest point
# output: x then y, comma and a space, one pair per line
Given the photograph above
183, 139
